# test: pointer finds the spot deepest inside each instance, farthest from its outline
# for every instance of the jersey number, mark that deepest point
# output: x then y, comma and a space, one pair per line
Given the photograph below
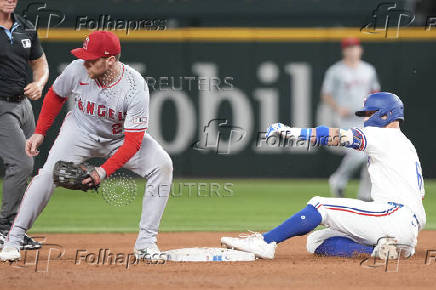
117, 128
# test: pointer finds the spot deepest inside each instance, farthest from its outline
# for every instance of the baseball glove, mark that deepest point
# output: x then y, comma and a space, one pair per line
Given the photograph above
70, 175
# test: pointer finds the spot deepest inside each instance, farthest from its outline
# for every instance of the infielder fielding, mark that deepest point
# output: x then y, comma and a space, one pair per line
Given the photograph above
396, 213
344, 87
110, 118
19, 47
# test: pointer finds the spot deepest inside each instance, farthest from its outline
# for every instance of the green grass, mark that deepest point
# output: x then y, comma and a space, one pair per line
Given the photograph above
256, 204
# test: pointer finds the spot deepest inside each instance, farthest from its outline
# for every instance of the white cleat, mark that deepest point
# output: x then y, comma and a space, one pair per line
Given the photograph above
10, 254
150, 252
386, 247
253, 243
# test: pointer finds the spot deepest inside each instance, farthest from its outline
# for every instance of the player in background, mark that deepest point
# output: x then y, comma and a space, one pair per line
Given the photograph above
396, 213
19, 49
345, 84
109, 119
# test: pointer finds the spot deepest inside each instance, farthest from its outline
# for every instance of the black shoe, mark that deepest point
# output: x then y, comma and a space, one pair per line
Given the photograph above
3, 236
30, 244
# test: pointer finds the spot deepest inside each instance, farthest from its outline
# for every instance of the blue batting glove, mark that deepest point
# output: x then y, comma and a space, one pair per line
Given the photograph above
276, 129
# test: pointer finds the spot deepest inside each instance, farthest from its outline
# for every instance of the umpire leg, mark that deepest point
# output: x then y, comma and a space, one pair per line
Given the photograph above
16, 125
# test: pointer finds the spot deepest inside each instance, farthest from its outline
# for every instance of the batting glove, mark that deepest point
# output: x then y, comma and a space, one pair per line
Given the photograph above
277, 129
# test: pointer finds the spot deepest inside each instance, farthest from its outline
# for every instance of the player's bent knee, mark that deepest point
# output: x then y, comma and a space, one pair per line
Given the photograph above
164, 169
316, 200
166, 165
314, 240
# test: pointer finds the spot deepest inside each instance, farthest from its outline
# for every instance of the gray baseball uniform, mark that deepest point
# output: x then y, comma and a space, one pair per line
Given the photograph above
94, 128
349, 86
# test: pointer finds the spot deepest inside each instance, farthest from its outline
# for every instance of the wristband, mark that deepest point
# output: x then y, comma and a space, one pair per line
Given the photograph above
322, 135
305, 133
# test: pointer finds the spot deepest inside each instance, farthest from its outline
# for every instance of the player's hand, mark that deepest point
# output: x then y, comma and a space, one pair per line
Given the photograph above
343, 112
33, 91
33, 143
97, 176
277, 129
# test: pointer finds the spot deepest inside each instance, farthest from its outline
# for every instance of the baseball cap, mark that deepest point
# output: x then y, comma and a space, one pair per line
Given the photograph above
98, 44
350, 41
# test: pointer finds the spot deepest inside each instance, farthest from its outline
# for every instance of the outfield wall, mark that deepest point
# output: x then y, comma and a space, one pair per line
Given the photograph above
265, 75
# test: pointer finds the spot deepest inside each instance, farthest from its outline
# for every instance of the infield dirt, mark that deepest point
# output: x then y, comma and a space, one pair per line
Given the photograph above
292, 268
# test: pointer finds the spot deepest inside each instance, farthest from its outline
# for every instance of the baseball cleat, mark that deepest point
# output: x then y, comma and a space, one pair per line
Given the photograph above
150, 252
386, 247
10, 254
253, 243
3, 236
30, 244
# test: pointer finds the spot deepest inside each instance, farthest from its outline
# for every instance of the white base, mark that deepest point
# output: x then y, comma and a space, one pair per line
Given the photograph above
208, 255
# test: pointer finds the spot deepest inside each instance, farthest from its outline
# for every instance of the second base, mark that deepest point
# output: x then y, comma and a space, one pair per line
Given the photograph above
208, 255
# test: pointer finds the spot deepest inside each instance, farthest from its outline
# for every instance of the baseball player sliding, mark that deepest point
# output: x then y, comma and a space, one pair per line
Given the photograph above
396, 213
109, 119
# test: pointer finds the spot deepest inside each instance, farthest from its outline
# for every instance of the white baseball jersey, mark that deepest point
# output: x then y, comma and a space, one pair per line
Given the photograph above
105, 112
394, 167
349, 86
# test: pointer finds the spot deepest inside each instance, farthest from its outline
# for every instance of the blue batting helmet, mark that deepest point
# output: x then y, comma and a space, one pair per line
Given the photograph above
384, 104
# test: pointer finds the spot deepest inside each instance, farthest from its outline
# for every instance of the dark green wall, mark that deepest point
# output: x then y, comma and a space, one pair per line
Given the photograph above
405, 68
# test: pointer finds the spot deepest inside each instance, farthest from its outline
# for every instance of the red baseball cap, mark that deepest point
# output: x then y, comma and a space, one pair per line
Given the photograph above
98, 44
350, 41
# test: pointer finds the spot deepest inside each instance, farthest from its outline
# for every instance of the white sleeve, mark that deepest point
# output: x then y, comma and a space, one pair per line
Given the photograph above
365, 139
137, 110
63, 84
353, 138
329, 82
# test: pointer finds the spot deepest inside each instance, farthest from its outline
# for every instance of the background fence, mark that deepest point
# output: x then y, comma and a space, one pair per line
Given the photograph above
266, 75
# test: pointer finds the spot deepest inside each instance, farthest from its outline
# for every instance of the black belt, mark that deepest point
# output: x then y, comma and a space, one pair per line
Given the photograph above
14, 99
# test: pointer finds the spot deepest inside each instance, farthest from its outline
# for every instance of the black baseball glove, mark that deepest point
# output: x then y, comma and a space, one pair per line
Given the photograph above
71, 176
